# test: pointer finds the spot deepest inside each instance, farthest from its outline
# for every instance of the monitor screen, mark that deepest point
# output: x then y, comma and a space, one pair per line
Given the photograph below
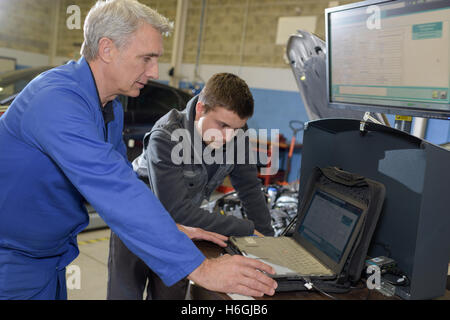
328, 224
390, 56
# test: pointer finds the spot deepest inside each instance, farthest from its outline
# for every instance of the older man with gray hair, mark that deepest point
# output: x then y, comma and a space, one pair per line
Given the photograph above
63, 135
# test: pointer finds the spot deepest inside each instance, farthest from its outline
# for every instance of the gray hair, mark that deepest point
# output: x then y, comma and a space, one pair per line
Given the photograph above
118, 20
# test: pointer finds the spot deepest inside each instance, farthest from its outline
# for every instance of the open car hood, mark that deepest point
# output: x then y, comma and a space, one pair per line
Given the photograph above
307, 56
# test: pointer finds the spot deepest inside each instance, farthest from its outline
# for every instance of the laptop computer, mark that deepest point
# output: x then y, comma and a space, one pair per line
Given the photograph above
324, 235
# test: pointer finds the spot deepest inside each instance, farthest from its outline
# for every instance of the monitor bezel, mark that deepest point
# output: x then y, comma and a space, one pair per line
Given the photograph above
397, 110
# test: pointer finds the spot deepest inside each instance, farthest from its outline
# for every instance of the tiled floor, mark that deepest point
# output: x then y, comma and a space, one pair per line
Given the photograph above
93, 266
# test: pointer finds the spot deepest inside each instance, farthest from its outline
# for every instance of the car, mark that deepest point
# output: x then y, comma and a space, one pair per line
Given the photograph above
140, 113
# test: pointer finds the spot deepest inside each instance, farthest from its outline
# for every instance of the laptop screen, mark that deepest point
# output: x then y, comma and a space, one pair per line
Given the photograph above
328, 224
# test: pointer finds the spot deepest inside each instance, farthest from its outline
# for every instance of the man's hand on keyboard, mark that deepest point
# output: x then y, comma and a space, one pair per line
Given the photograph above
235, 274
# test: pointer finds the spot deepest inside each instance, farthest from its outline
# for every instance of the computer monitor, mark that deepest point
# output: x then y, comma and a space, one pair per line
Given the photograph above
390, 57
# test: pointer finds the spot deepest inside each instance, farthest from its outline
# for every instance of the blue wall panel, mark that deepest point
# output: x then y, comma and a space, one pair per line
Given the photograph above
273, 110
438, 131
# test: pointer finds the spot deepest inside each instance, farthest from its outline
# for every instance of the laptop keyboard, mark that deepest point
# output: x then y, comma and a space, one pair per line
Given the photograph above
286, 252
297, 257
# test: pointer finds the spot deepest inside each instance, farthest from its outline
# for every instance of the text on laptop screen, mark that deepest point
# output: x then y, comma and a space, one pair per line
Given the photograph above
329, 223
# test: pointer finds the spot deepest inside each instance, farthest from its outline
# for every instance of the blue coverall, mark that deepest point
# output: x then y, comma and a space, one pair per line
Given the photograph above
55, 152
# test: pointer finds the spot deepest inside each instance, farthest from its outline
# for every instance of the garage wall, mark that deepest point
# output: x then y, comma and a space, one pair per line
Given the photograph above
25, 31
236, 32
24, 25
243, 32
70, 40
238, 37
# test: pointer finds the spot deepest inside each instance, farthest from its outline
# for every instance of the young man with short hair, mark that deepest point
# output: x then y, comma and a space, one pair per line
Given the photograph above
174, 161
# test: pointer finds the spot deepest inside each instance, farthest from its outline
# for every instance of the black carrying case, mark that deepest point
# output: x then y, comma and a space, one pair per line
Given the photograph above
363, 190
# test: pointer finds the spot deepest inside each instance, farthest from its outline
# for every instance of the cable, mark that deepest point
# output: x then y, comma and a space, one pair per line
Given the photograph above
310, 285
362, 286
324, 293
289, 226
400, 279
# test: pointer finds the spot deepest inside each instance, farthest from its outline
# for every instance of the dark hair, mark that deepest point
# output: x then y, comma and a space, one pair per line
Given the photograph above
229, 91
